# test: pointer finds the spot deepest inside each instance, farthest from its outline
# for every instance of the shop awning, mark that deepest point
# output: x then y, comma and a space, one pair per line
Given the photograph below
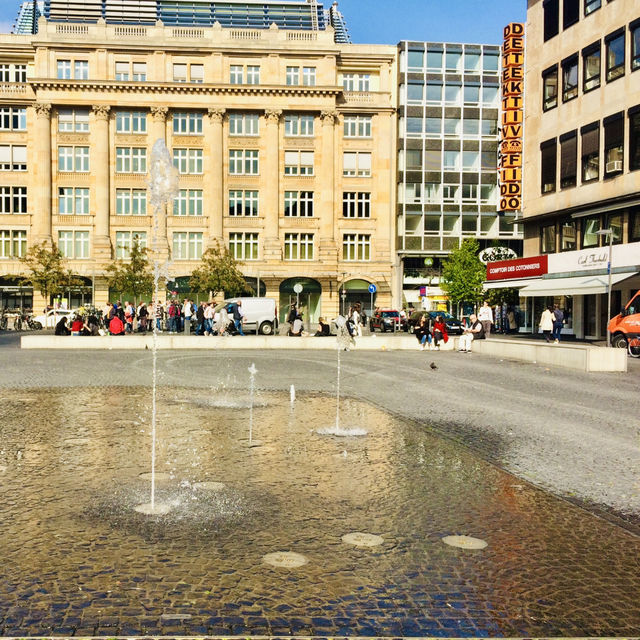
580, 285
509, 284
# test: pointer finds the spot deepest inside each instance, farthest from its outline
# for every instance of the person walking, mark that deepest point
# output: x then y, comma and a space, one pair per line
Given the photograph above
485, 315
558, 321
186, 313
200, 319
209, 311
546, 323
238, 316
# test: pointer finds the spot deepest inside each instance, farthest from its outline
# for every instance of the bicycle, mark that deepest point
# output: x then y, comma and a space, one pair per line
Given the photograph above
633, 347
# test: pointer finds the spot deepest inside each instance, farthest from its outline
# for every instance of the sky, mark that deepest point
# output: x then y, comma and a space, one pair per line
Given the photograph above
389, 21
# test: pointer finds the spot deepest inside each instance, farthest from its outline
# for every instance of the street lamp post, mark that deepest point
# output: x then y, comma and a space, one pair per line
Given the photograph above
610, 233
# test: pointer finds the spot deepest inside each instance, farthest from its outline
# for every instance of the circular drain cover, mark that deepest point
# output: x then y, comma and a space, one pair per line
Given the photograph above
464, 542
209, 486
285, 559
160, 476
157, 510
360, 539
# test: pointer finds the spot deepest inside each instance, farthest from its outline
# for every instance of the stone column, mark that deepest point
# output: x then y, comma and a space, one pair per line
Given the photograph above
158, 131
101, 171
214, 192
270, 184
41, 167
326, 177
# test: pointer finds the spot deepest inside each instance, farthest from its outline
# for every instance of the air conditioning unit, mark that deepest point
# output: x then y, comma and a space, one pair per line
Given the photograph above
612, 167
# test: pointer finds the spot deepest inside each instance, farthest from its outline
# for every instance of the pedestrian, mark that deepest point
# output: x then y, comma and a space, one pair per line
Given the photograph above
422, 333
238, 316
143, 318
296, 327
473, 332
439, 332
61, 327
323, 329
209, 312
173, 312
292, 315
159, 314
186, 314
200, 319
485, 315
511, 318
129, 316
116, 326
558, 321
355, 318
546, 323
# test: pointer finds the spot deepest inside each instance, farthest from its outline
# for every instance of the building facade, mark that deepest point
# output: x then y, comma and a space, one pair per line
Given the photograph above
284, 141
582, 160
449, 105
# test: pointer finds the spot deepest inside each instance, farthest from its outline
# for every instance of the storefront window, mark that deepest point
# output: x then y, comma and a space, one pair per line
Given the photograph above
589, 228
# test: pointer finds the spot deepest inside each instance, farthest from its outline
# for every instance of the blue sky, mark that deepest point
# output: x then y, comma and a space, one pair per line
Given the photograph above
389, 21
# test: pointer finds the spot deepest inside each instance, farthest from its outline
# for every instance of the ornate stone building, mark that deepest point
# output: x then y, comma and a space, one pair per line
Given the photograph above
284, 141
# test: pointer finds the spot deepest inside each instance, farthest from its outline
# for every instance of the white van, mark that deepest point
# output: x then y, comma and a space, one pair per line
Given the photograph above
259, 313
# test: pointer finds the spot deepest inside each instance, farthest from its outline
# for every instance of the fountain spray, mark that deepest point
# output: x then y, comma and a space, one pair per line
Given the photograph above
252, 372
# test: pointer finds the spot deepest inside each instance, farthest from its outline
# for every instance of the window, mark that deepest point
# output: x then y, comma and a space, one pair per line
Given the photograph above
187, 245
293, 76
434, 60
432, 192
188, 202
634, 138
243, 203
131, 160
489, 96
413, 159
452, 92
357, 126
568, 235
472, 93
488, 193
548, 239
415, 92
13, 244
135, 71
73, 201
356, 163
356, 81
634, 225
74, 244
253, 74
188, 161
13, 200
301, 126
298, 246
356, 204
490, 62
634, 29
489, 128
13, 72
298, 163
13, 118
236, 74
73, 159
452, 126
434, 91
570, 12
73, 120
469, 192
471, 61
244, 124
64, 70
550, 88
413, 192
309, 76
613, 144
614, 43
187, 123
590, 152
243, 162
432, 160
451, 193
125, 240
453, 61
551, 18
243, 246
548, 165
415, 126
614, 222
471, 127
183, 72
415, 59
570, 78
298, 204
591, 67
356, 247
488, 160
139, 73
470, 160
591, 5
589, 228
568, 159
131, 202
131, 122
451, 160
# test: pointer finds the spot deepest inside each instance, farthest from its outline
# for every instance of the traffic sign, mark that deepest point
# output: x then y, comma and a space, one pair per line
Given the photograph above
372, 288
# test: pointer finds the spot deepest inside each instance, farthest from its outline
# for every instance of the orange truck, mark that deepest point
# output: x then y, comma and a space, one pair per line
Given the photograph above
626, 324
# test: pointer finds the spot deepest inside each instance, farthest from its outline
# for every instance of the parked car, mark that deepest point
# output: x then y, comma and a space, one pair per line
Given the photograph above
454, 326
260, 313
385, 319
51, 318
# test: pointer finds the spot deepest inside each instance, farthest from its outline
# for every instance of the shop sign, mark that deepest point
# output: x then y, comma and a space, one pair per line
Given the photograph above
520, 268
510, 162
622, 255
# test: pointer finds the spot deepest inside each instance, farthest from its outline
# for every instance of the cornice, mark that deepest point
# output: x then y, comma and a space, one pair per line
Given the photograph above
186, 88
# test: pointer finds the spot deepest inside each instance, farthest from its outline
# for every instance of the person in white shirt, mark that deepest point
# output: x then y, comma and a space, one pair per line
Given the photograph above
209, 318
473, 332
485, 315
355, 318
186, 312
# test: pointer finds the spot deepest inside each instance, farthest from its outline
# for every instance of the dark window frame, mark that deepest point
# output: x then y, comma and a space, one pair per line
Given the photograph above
633, 115
589, 2
567, 64
618, 238
561, 235
590, 151
570, 13
586, 53
634, 223
613, 139
569, 159
583, 225
634, 55
554, 242
546, 101
617, 71
548, 154
551, 21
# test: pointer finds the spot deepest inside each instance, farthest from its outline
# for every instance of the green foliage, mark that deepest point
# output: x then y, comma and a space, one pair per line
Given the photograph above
218, 272
133, 276
463, 274
47, 273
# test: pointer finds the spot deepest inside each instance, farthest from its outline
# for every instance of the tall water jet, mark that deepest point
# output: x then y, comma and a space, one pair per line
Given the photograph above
292, 395
252, 382
163, 188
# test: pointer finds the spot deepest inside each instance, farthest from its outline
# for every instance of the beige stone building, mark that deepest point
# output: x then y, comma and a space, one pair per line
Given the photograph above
581, 160
284, 141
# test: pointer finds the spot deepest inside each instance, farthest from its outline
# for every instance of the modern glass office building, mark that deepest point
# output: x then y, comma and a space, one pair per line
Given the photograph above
27, 18
449, 103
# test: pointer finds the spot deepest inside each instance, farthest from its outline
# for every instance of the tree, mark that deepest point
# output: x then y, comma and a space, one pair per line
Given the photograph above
47, 271
218, 272
463, 274
134, 276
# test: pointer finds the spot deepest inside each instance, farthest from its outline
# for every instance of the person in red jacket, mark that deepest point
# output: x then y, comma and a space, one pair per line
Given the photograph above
116, 326
439, 332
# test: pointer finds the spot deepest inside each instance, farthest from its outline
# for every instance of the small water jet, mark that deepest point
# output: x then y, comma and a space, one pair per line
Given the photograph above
292, 395
465, 542
285, 559
359, 539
